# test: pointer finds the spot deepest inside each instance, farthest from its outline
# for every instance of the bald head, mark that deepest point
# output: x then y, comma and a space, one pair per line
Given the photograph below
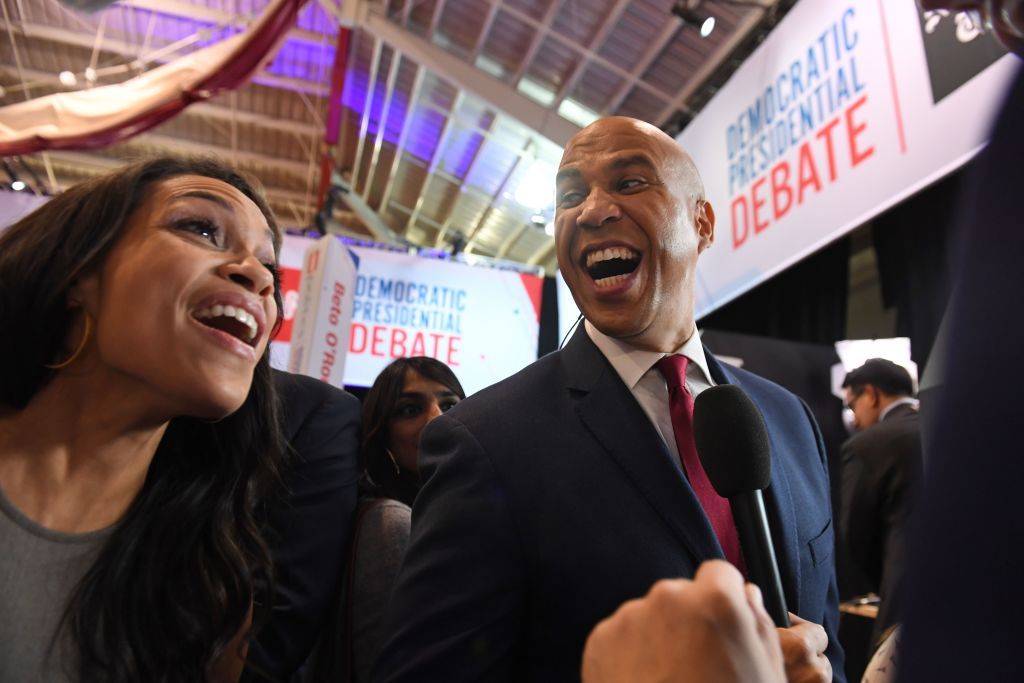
630, 222
617, 132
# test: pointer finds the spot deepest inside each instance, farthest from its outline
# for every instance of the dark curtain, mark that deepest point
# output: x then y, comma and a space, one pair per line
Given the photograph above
913, 245
806, 302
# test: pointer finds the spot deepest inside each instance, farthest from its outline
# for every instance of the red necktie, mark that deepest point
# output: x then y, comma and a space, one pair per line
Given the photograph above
680, 406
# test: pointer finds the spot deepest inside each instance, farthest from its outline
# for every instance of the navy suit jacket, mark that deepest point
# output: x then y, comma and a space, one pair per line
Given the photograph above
309, 528
550, 499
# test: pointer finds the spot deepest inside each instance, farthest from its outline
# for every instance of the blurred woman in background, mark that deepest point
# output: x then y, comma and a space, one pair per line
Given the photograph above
408, 393
138, 425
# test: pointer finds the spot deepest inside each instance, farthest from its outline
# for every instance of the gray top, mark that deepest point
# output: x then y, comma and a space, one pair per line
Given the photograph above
381, 540
39, 569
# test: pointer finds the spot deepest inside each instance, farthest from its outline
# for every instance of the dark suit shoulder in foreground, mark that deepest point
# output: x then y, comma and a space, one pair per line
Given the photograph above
310, 526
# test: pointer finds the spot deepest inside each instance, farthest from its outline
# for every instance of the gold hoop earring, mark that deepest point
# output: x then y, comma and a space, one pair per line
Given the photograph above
394, 463
81, 345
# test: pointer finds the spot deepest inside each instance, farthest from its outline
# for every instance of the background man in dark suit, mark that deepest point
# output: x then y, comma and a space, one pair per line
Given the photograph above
310, 525
556, 495
881, 466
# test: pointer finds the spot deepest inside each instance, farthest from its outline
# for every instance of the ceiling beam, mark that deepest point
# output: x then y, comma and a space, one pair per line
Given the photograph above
364, 123
211, 111
382, 125
610, 22
590, 54
538, 38
471, 237
180, 146
130, 53
95, 164
403, 137
435, 17
435, 159
669, 31
210, 15
464, 187
497, 95
485, 29
370, 218
696, 80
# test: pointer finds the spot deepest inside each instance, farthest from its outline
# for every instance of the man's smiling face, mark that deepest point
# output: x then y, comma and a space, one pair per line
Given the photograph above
630, 221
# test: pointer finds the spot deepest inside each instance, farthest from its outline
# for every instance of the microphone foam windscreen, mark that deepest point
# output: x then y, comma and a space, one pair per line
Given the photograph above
732, 441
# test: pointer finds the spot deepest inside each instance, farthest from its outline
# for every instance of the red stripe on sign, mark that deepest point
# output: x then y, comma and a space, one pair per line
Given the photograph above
534, 286
892, 80
290, 280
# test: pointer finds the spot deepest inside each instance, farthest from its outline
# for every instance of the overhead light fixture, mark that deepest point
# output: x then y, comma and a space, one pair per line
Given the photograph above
90, 75
707, 27
18, 185
538, 219
550, 228
67, 79
687, 11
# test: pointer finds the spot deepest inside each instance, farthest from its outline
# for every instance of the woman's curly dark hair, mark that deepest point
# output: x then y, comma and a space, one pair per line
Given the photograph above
174, 582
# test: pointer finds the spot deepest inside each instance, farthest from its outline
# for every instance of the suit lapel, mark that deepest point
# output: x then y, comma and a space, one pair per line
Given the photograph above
778, 501
609, 411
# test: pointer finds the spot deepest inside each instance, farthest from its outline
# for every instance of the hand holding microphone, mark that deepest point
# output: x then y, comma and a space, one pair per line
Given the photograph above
734, 449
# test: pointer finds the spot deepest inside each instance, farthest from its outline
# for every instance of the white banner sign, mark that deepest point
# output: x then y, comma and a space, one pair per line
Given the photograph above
844, 110
483, 322
321, 323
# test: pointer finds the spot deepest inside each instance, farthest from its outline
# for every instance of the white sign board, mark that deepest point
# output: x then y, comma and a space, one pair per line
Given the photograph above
483, 322
320, 333
838, 115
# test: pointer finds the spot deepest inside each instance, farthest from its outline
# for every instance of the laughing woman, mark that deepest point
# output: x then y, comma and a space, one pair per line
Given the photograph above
138, 424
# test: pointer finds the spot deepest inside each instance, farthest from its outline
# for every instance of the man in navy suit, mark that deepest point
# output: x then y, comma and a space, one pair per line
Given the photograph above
556, 495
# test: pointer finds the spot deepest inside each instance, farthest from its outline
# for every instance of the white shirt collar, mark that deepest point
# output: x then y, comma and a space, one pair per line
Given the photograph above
632, 363
905, 401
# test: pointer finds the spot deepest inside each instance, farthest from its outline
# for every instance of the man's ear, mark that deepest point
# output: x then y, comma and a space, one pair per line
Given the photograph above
872, 393
704, 221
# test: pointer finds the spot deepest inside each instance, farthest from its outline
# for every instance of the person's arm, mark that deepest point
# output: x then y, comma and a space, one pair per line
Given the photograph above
712, 629
457, 608
309, 529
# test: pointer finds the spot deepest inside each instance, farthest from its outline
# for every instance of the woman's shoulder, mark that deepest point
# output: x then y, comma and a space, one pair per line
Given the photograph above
381, 520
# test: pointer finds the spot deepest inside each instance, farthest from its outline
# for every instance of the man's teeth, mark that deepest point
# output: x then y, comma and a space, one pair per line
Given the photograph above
623, 253
610, 280
239, 314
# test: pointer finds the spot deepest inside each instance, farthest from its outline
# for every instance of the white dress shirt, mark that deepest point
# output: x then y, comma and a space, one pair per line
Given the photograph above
647, 384
905, 401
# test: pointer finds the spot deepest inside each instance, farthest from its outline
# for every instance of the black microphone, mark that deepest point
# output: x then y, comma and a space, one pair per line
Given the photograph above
733, 446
